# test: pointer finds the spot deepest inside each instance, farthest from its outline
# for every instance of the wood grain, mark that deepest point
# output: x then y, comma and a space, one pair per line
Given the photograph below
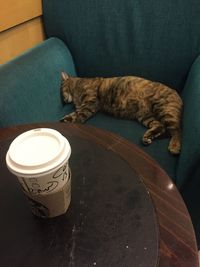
14, 12
20, 38
177, 246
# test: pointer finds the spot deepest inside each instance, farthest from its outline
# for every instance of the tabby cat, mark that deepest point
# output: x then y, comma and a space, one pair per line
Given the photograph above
153, 104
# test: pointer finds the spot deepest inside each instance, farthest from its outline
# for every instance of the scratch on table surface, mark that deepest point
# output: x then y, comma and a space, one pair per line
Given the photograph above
72, 252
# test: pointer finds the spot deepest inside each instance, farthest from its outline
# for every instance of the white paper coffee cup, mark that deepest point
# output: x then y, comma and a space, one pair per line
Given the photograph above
39, 158
51, 205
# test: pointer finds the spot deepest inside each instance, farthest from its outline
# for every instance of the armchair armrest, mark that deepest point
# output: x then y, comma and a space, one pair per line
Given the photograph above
29, 84
188, 169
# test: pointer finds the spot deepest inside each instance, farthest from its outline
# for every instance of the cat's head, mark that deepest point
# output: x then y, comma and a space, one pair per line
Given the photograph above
66, 88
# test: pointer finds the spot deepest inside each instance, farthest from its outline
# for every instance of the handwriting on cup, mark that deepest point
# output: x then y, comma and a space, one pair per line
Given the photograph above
34, 186
61, 173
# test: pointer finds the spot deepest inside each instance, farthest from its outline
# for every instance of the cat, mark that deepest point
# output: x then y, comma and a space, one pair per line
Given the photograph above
155, 105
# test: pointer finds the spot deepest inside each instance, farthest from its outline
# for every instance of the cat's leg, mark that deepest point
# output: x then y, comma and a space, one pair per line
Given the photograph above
156, 129
172, 122
83, 113
70, 117
175, 141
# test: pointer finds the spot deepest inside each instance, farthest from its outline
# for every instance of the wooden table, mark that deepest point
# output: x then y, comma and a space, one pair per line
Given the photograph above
125, 210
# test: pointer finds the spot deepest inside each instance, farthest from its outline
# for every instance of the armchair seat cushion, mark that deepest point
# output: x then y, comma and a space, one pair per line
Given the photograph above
133, 131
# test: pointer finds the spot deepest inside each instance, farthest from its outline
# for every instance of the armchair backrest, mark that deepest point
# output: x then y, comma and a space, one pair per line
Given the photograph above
155, 39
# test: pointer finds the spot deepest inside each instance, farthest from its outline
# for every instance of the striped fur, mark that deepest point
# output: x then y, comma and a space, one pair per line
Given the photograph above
153, 104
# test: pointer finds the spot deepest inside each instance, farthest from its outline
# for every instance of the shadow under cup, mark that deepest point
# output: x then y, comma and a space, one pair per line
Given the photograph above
39, 159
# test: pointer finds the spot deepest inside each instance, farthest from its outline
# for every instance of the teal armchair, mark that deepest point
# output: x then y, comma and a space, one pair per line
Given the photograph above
157, 40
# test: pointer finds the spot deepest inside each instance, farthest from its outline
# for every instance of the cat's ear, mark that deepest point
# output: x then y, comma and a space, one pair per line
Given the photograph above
64, 76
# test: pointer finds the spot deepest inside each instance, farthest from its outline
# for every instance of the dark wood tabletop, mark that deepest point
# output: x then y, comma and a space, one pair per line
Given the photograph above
165, 219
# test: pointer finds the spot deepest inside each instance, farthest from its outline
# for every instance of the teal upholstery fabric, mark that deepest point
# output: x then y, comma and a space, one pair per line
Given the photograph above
133, 131
154, 39
29, 85
189, 162
188, 169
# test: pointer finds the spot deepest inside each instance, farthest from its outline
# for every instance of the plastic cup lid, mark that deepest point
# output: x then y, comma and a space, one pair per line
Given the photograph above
37, 151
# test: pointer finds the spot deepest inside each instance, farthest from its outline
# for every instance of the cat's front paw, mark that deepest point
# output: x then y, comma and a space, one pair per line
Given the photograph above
146, 141
68, 118
65, 119
73, 117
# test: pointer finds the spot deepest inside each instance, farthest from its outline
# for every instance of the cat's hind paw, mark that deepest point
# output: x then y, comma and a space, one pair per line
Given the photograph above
174, 148
175, 144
